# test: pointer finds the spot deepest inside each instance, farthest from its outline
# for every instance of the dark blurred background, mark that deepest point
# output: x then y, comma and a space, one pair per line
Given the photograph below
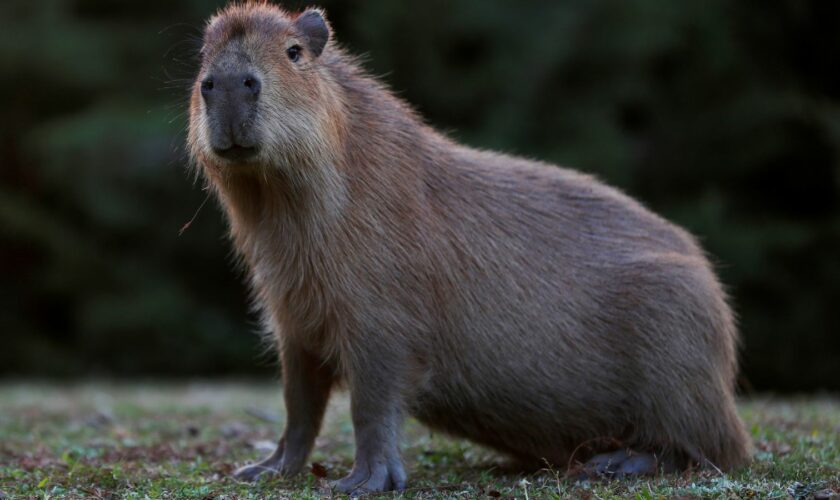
723, 116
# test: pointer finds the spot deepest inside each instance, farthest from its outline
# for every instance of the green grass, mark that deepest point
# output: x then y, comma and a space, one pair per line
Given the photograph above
182, 441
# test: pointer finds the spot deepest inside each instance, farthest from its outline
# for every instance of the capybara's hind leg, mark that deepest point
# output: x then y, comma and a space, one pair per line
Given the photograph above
625, 463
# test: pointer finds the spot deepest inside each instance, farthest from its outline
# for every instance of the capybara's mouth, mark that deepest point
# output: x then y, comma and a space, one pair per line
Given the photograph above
237, 152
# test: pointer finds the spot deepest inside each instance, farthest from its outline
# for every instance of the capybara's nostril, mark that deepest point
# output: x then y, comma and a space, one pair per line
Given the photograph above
252, 84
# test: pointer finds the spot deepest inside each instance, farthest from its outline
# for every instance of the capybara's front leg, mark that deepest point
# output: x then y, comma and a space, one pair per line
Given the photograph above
306, 387
377, 418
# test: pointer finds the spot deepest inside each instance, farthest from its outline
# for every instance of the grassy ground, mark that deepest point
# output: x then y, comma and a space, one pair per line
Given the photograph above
182, 441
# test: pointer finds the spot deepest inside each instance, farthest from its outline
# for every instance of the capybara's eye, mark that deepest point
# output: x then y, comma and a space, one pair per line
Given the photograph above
294, 53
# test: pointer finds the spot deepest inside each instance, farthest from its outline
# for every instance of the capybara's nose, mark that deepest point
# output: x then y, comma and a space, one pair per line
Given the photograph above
235, 86
231, 101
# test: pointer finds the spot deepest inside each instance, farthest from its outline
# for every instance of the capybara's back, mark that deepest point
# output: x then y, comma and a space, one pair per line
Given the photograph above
524, 306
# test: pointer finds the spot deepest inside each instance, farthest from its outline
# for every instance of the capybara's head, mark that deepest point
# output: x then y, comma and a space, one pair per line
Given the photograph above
261, 95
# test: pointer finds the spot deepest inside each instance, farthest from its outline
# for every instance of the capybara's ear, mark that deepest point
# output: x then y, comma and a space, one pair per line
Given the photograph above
312, 25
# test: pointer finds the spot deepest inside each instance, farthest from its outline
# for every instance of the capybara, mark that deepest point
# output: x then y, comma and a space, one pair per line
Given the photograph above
521, 305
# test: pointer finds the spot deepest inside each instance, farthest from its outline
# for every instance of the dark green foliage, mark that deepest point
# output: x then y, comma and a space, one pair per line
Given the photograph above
723, 116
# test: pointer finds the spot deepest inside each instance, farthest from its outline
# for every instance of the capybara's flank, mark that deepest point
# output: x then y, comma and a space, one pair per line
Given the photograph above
518, 304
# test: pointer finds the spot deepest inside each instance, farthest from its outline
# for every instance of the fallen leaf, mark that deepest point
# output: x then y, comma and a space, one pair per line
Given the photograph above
319, 470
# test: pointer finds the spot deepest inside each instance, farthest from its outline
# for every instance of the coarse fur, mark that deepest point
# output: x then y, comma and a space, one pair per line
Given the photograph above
524, 306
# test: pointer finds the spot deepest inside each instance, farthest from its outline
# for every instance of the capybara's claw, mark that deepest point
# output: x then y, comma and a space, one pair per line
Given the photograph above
252, 472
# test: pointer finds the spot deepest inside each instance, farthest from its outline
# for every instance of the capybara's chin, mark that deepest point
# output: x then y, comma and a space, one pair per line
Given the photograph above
522, 305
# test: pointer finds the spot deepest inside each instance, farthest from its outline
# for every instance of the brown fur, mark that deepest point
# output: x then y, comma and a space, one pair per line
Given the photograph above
525, 306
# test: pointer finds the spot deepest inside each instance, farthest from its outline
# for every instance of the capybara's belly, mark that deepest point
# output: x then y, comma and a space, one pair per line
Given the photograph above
460, 416
498, 413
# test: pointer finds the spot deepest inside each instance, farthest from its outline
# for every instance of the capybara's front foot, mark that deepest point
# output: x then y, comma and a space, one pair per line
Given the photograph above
282, 462
622, 464
379, 476
252, 472
267, 467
